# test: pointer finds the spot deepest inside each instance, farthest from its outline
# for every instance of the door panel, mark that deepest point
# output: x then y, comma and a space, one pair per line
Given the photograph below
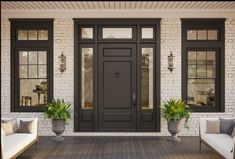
116, 86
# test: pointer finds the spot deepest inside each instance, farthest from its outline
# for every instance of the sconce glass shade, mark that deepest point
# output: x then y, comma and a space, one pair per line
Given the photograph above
171, 62
62, 65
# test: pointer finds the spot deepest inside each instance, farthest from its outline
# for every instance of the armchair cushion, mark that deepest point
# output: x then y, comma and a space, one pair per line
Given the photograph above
213, 126
7, 128
226, 126
26, 127
13, 122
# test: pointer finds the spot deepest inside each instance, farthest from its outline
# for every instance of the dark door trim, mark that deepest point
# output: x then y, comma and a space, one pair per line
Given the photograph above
95, 23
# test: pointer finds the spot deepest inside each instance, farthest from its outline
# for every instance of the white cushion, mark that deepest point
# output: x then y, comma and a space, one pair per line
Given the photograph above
220, 142
15, 143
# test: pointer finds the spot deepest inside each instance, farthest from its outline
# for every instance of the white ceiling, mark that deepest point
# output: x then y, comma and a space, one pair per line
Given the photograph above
116, 5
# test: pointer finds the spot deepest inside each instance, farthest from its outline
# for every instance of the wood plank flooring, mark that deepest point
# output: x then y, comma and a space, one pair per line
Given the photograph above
118, 147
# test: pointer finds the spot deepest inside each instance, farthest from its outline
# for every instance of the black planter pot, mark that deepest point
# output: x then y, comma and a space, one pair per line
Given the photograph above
58, 127
173, 128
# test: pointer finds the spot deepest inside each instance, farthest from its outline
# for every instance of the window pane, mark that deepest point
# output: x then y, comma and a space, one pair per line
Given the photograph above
201, 57
33, 71
33, 92
210, 57
23, 71
147, 33
192, 57
43, 35
117, 33
201, 34
147, 78
87, 78
33, 34
210, 71
191, 34
191, 71
22, 35
23, 57
42, 71
33, 57
201, 71
201, 92
42, 57
87, 33
212, 34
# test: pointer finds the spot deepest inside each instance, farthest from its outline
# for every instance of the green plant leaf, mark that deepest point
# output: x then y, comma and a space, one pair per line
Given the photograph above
177, 110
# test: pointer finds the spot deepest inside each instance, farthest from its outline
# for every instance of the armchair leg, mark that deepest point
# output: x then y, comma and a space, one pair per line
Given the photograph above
36, 144
200, 145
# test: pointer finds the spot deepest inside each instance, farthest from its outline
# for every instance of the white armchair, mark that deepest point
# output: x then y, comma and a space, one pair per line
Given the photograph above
14, 145
223, 144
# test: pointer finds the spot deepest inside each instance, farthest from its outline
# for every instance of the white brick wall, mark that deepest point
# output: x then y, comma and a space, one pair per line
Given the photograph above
170, 83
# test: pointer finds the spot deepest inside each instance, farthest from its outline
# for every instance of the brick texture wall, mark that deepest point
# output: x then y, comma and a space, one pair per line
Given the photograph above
170, 82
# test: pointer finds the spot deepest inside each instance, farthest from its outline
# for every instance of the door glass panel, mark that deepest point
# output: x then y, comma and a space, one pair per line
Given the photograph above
87, 33
201, 92
33, 34
43, 35
191, 34
117, 33
33, 92
147, 78
147, 33
87, 78
22, 35
212, 34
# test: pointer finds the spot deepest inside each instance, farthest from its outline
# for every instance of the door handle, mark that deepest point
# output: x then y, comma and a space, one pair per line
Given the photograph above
133, 100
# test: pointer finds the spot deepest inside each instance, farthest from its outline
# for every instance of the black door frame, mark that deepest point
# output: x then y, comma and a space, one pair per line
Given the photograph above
91, 124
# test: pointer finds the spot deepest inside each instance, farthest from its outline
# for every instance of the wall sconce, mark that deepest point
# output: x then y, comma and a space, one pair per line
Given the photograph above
62, 66
170, 62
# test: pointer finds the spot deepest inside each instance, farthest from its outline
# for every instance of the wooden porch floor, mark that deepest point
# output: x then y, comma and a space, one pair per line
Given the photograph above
118, 147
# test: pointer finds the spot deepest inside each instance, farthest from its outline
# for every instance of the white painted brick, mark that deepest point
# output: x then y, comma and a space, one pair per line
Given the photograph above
170, 82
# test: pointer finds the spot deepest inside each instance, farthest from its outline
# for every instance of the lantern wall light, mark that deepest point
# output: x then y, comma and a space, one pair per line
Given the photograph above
171, 62
62, 60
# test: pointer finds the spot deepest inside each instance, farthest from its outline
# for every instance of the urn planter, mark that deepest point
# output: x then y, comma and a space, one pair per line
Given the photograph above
58, 127
174, 128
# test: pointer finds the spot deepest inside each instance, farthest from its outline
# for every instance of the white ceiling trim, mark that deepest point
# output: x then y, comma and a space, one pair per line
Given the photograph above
117, 14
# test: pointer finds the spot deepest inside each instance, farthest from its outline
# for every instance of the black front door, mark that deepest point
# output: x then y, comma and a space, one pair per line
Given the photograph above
117, 75
117, 87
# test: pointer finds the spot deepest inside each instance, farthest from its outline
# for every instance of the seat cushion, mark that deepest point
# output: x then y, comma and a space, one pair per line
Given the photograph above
220, 142
16, 142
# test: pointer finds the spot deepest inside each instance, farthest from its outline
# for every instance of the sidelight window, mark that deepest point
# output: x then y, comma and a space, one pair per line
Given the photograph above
87, 78
147, 77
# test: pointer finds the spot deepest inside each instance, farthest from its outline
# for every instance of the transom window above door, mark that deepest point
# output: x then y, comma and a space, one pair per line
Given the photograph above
32, 64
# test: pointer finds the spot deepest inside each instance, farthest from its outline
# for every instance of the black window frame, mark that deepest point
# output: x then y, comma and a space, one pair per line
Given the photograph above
30, 45
197, 45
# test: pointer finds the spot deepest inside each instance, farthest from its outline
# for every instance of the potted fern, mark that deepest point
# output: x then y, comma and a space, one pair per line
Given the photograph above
59, 112
174, 111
